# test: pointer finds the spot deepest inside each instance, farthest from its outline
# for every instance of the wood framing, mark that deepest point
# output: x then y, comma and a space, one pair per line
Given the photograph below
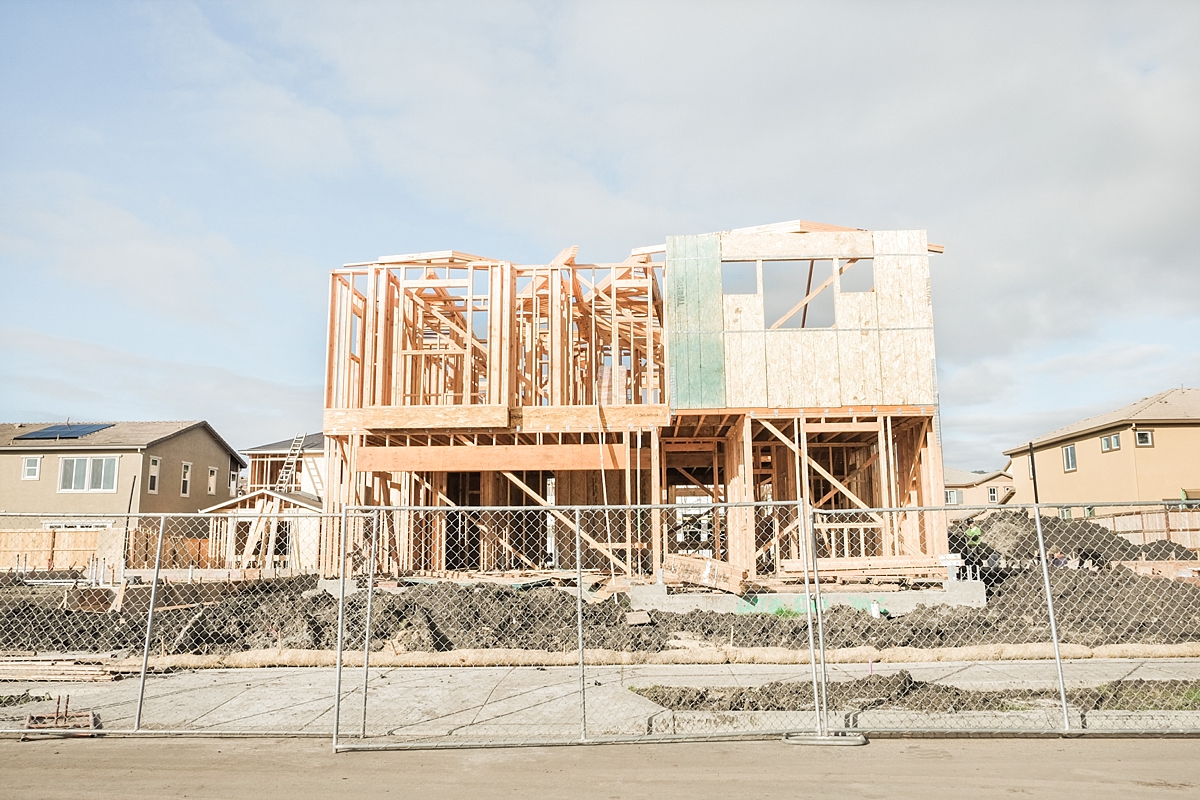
455, 381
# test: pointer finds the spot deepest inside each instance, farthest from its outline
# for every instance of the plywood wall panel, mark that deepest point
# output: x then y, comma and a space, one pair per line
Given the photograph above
695, 317
902, 286
785, 368
792, 246
745, 356
900, 243
858, 367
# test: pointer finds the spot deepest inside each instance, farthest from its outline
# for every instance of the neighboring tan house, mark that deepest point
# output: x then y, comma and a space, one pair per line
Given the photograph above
114, 467
977, 488
1148, 451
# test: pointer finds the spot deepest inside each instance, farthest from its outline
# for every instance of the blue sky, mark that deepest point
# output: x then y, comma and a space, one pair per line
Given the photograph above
176, 180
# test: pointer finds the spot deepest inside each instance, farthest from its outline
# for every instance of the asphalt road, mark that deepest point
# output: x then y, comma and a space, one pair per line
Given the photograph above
929, 769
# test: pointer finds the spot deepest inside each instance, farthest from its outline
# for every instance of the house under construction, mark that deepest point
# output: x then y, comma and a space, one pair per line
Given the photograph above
788, 362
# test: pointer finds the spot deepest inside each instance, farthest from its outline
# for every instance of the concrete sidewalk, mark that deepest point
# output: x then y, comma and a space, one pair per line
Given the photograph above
542, 703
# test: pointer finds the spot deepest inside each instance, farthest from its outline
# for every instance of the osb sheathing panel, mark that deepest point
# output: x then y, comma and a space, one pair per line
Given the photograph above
745, 354
793, 246
694, 316
802, 371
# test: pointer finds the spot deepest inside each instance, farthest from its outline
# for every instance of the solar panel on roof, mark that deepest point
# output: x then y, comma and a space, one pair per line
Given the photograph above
65, 431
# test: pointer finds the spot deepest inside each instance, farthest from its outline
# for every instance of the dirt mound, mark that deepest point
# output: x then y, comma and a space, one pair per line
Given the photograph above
1162, 550
900, 691
1013, 534
1107, 607
896, 691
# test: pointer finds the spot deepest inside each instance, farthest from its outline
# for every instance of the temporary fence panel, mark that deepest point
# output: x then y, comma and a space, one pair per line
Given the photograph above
535, 624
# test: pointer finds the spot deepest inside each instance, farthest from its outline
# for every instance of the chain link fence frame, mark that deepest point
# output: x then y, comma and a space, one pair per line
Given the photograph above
1074, 622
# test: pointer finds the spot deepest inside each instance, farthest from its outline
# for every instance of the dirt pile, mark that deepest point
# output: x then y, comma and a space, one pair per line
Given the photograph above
1112, 606
1013, 534
900, 691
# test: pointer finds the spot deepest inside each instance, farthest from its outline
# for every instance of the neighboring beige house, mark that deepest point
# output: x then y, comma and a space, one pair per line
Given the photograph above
977, 488
1147, 451
114, 467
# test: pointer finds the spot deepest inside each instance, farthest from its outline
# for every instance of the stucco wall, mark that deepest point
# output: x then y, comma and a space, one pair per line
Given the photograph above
202, 451
1129, 474
133, 467
43, 495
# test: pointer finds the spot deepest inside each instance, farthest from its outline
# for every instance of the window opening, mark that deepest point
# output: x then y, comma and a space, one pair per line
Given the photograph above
993, 494
787, 283
212, 480
152, 480
1144, 438
1068, 455
185, 480
31, 468
860, 276
739, 277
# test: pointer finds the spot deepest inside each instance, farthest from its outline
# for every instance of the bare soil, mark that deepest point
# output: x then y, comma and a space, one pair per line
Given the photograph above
900, 691
1110, 606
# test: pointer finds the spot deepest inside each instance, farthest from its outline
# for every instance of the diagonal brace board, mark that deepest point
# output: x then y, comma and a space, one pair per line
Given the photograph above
563, 518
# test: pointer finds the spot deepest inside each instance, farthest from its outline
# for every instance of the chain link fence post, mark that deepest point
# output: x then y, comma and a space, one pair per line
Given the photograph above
341, 633
579, 627
1058, 665
824, 713
803, 534
137, 717
371, 547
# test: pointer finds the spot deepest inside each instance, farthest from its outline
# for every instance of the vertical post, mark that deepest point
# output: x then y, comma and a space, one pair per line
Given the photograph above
802, 534
137, 717
579, 628
1037, 519
371, 556
341, 627
820, 627
656, 533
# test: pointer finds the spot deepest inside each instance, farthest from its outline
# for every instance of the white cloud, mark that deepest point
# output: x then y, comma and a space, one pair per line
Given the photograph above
46, 378
1050, 147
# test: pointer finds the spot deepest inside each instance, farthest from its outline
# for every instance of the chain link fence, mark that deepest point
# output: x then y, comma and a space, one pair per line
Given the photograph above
452, 626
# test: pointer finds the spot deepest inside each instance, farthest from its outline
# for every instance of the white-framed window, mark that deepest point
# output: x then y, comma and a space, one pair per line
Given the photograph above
1068, 454
1089, 511
993, 494
953, 497
212, 480
185, 480
31, 468
1108, 443
98, 474
1144, 438
152, 478
233, 478
1064, 513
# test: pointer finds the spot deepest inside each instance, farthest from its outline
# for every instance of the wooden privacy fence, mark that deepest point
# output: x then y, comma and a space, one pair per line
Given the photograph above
36, 549
1145, 525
